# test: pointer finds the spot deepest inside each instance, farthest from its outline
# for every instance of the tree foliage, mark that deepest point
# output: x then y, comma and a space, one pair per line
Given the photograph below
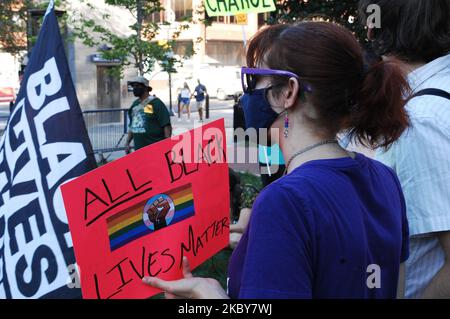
344, 12
12, 26
139, 49
14, 37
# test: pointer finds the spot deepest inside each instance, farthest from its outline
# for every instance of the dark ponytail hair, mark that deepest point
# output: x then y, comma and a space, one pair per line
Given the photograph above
379, 117
346, 94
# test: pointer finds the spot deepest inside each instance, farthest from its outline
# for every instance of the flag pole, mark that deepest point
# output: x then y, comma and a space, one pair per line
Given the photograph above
50, 7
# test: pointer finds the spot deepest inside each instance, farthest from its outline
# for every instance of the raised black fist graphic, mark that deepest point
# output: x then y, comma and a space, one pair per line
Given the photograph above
158, 211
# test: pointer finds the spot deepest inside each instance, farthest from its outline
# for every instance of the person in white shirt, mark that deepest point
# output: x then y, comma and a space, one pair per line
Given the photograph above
416, 34
185, 101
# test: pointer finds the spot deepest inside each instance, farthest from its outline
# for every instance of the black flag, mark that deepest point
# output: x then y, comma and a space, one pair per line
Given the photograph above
45, 144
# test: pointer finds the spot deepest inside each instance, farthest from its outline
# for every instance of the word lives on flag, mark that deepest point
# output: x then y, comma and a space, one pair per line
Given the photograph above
45, 143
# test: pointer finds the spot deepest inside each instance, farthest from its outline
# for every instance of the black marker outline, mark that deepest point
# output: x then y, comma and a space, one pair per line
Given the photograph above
117, 204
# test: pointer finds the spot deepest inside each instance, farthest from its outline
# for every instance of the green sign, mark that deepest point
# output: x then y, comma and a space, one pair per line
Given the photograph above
233, 7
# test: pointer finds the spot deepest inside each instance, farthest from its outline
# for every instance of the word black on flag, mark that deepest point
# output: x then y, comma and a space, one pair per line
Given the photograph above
44, 145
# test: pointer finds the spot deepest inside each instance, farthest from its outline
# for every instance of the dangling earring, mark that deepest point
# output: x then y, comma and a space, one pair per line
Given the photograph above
286, 124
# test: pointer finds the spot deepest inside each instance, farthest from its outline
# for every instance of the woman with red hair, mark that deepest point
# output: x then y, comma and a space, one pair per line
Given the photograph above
334, 226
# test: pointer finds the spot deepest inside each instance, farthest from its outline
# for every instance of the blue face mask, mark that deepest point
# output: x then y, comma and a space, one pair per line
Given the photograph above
257, 111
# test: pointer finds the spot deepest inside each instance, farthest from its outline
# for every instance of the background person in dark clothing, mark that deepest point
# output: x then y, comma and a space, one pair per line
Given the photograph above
149, 117
199, 93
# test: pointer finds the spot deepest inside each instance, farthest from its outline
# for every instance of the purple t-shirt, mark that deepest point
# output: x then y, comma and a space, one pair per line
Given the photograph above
330, 229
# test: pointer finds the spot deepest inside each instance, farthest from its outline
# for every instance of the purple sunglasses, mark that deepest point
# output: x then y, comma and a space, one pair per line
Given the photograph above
248, 80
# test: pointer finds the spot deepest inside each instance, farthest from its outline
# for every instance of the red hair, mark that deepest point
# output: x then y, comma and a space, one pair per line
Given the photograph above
346, 93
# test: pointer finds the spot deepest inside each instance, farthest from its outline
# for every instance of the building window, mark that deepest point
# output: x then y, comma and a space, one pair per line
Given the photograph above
226, 52
183, 48
159, 16
156, 17
182, 9
225, 19
262, 18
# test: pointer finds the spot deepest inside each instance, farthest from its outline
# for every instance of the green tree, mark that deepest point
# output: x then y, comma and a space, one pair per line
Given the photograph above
344, 12
139, 49
18, 27
13, 19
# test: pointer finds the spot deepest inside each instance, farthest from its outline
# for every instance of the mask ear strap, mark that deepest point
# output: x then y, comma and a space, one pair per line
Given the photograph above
266, 157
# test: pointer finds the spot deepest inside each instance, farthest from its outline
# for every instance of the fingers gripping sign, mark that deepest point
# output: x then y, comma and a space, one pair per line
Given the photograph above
189, 287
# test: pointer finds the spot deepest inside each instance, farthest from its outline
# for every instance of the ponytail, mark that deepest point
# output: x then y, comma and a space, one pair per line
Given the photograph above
379, 117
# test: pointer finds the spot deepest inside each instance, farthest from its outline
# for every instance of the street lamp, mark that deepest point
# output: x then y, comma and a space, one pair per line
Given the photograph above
168, 63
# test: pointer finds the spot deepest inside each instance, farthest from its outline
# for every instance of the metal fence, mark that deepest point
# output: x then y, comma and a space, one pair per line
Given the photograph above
3, 121
107, 128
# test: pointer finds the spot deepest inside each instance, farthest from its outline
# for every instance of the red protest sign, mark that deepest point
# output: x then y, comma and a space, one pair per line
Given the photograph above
139, 215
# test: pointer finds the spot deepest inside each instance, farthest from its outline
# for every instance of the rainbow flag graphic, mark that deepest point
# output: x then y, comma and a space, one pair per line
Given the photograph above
133, 223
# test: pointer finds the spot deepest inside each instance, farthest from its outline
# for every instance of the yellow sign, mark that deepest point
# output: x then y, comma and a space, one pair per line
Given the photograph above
232, 7
163, 43
241, 18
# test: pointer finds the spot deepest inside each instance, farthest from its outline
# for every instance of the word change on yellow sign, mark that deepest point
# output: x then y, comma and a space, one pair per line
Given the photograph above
233, 7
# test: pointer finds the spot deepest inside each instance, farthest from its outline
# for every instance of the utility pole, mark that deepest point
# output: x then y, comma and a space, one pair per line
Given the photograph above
168, 66
170, 93
139, 34
170, 18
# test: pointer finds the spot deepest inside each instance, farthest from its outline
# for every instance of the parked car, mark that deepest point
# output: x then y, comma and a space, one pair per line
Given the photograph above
222, 82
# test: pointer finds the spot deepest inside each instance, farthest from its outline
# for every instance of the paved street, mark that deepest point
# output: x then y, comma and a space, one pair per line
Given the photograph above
4, 113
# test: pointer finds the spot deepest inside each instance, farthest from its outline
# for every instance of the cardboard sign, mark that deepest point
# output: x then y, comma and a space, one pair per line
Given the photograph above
232, 7
139, 215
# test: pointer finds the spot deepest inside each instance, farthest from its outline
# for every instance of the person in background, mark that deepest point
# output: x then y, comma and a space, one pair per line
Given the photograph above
149, 117
200, 97
11, 105
416, 36
238, 229
337, 219
185, 101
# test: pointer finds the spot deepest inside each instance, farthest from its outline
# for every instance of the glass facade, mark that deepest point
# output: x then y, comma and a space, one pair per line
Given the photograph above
182, 9
225, 19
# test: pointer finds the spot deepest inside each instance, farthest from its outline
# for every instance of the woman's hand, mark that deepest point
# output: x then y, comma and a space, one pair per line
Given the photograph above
188, 288
242, 223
